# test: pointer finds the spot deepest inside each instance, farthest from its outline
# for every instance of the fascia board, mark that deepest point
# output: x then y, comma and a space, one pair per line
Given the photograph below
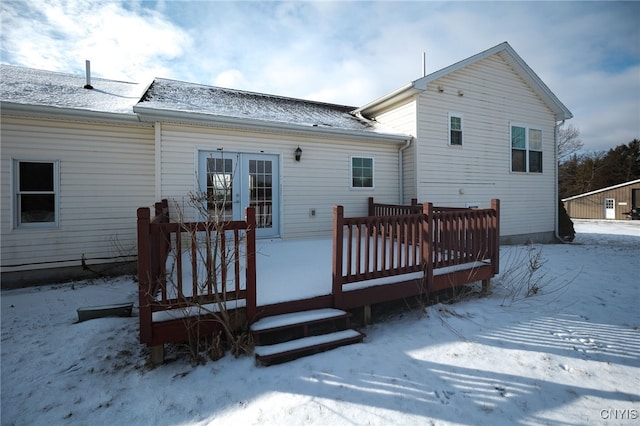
398, 95
195, 118
42, 111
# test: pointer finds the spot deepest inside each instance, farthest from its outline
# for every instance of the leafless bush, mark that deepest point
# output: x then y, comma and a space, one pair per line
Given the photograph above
523, 274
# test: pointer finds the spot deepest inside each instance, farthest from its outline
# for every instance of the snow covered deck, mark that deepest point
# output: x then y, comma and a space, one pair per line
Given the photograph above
368, 260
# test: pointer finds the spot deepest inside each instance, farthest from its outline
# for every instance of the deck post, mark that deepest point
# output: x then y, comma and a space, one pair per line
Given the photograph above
427, 246
366, 315
157, 354
251, 264
338, 241
371, 207
495, 258
144, 272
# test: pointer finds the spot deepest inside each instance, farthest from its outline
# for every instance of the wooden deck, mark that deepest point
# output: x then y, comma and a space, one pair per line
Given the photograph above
190, 272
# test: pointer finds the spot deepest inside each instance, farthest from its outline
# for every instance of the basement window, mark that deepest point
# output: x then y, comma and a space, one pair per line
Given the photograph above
36, 203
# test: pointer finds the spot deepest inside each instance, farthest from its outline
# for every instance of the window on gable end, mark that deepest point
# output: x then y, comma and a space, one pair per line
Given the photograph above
526, 149
455, 129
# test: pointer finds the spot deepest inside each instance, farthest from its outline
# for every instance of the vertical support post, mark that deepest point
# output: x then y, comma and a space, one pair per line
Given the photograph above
371, 208
366, 315
495, 259
144, 274
338, 241
250, 235
157, 354
427, 245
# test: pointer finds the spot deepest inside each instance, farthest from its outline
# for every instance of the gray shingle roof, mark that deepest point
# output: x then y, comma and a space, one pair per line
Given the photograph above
27, 86
171, 95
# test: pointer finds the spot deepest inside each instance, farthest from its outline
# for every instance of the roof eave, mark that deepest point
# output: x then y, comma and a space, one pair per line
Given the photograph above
398, 95
150, 114
46, 111
608, 188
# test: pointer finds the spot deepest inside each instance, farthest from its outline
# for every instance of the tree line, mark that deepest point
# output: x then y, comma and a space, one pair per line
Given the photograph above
580, 172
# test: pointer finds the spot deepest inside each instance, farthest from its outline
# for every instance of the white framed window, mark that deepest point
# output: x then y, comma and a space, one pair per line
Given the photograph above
362, 172
526, 149
36, 191
455, 129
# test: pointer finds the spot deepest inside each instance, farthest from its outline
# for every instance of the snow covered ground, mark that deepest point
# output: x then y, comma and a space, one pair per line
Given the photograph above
568, 355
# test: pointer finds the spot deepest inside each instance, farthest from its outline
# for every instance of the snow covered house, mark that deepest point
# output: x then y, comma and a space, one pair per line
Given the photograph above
77, 161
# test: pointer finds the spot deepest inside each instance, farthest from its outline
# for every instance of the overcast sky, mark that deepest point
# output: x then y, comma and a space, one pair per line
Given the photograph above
348, 53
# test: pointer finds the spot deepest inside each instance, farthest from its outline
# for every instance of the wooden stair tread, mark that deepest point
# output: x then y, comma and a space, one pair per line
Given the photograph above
296, 318
299, 345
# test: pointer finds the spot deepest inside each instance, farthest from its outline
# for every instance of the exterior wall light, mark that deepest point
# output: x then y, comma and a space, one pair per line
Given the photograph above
298, 153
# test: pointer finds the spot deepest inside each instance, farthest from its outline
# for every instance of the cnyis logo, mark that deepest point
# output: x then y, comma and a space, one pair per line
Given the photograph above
619, 414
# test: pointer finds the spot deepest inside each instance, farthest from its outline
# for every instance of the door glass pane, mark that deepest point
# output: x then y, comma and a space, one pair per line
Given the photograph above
261, 191
220, 189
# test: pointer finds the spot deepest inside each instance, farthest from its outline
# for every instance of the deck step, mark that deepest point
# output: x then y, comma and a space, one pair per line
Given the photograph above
296, 318
287, 351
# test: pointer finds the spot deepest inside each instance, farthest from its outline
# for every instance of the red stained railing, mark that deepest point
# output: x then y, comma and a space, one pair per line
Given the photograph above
208, 263
396, 240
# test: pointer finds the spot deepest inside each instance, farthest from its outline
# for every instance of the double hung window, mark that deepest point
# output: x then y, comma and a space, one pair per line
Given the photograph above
35, 193
526, 149
455, 129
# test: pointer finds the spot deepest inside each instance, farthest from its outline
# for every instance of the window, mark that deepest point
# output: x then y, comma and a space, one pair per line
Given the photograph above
455, 129
361, 172
36, 193
526, 149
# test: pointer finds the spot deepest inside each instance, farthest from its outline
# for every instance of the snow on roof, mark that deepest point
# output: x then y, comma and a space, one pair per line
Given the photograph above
172, 95
27, 86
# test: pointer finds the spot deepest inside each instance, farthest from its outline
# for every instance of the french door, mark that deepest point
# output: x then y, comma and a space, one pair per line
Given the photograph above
235, 181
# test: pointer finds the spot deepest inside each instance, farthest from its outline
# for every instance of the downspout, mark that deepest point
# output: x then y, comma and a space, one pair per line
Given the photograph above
401, 169
556, 214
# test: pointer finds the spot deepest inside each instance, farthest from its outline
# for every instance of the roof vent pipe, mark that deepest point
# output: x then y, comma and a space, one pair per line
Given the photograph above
88, 72
424, 64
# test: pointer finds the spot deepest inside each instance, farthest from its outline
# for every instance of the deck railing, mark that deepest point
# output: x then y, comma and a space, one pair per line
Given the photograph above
403, 242
183, 267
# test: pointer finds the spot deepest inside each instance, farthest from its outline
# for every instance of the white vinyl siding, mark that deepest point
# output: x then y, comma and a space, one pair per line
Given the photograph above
105, 173
319, 181
403, 119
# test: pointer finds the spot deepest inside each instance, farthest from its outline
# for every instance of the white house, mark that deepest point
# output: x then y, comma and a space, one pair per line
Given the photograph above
76, 161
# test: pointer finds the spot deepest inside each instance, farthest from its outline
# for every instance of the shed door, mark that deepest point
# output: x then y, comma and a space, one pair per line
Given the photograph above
609, 208
235, 181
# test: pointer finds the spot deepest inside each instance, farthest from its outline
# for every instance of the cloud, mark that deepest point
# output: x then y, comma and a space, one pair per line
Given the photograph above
121, 43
